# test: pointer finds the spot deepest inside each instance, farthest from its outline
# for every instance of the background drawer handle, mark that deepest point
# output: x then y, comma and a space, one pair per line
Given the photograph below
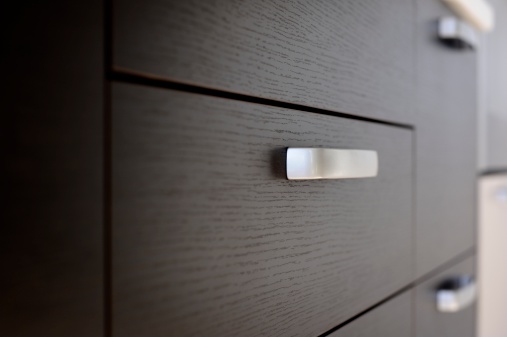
456, 33
456, 294
318, 163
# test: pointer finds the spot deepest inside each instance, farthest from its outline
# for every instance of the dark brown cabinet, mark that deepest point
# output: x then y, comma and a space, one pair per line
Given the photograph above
51, 216
206, 226
145, 176
342, 56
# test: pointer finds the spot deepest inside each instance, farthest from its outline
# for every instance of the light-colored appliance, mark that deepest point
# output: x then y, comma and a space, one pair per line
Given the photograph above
492, 266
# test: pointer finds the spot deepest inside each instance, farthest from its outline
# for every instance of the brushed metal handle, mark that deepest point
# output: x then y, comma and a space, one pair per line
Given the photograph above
457, 33
456, 294
321, 163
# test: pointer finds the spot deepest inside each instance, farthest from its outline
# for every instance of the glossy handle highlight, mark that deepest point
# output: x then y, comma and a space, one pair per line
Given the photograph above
322, 163
456, 294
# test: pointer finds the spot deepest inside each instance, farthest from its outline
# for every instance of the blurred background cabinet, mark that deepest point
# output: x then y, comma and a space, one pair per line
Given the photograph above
445, 143
492, 255
492, 183
492, 93
429, 319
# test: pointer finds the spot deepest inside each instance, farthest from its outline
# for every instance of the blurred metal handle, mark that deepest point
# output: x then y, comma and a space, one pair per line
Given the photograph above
457, 33
319, 163
456, 294
501, 194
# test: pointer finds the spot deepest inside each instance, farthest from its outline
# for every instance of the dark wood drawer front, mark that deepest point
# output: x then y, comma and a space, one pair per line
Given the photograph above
429, 321
209, 238
348, 56
445, 146
391, 319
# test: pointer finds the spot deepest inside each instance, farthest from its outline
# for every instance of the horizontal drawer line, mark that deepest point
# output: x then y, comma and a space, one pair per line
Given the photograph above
494, 171
446, 265
376, 305
463, 256
128, 76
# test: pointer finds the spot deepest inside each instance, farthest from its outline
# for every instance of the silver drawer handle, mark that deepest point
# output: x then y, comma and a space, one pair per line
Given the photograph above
318, 163
456, 294
457, 33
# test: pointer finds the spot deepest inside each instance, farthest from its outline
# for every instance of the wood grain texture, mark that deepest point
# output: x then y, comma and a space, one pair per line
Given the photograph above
392, 319
348, 56
445, 144
51, 172
209, 238
429, 321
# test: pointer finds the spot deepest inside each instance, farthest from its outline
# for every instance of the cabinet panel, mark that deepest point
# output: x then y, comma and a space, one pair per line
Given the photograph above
429, 321
208, 230
51, 243
445, 144
391, 319
348, 56
493, 81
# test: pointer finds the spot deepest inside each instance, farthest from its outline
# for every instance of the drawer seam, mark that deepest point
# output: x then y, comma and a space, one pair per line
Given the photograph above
132, 77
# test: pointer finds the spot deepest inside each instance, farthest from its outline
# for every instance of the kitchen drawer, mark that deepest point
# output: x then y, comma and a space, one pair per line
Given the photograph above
210, 238
349, 56
445, 144
431, 322
391, 319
